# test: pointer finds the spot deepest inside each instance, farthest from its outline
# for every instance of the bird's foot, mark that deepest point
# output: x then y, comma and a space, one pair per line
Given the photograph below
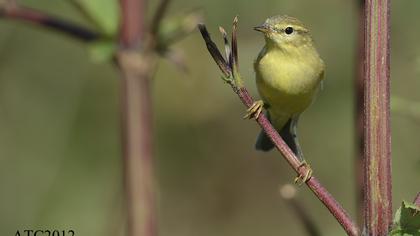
301, 179
254, 110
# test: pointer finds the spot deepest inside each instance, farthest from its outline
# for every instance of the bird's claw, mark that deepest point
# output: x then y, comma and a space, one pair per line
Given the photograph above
254, 110
301, 179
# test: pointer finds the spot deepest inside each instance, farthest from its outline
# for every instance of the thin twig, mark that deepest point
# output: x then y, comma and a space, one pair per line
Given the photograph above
158, 16
214, 52
40, 18
288, 193
237, 85
235, 44
377, 133
228, 52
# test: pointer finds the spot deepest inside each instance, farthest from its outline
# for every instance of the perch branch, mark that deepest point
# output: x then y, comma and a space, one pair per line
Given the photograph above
233, 78
25, 14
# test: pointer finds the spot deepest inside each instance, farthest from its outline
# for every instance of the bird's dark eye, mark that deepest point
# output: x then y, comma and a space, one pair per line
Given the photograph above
288, 30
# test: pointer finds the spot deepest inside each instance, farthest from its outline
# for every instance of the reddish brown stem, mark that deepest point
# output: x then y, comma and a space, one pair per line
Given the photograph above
137, 150
137, 122
39, 18
132, 26
377, 136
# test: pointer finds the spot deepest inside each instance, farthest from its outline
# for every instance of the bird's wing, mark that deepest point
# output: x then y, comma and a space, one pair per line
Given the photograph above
259, 57
289, 135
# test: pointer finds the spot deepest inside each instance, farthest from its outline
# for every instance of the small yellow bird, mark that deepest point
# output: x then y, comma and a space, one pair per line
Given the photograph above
289, 73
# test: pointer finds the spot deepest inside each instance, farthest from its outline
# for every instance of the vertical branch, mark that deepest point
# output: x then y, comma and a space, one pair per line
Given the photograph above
137, 149
137, 68
358, 88
132, 22
377, 146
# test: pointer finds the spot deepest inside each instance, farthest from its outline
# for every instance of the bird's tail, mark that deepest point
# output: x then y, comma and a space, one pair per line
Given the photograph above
263, 142
288, 133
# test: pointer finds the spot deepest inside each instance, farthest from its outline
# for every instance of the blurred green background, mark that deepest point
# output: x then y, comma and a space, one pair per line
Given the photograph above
60, 158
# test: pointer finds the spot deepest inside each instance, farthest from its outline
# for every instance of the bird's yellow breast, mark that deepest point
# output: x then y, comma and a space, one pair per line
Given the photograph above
288, 80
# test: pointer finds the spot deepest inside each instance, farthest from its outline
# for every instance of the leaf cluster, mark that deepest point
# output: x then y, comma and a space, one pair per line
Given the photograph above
407, 220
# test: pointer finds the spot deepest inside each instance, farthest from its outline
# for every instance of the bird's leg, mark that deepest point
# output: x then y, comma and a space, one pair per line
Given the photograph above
301, 179
254, 110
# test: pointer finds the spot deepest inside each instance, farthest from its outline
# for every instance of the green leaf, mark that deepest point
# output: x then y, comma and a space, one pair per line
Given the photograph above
102, 51
103, 13
407, 220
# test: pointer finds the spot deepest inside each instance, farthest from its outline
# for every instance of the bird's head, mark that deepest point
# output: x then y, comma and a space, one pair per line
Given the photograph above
284, 31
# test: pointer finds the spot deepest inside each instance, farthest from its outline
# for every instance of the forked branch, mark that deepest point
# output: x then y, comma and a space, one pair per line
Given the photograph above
229, 69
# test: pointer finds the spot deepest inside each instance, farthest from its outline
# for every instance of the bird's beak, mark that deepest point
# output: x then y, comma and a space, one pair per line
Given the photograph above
262, 28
